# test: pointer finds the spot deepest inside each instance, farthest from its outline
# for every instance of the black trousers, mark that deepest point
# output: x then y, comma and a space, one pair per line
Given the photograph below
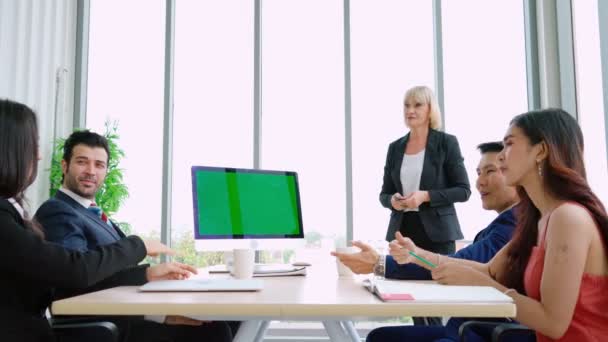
412, 227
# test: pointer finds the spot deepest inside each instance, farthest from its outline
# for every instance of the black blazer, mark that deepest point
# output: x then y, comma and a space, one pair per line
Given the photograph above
31, 267
443, 176
69, 224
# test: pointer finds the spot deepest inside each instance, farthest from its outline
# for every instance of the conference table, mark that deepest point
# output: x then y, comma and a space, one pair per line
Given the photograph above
318, 296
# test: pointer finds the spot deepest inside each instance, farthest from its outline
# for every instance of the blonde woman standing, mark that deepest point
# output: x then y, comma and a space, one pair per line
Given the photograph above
424, 176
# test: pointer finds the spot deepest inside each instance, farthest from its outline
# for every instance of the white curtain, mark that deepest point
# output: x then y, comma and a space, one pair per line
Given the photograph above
37, 49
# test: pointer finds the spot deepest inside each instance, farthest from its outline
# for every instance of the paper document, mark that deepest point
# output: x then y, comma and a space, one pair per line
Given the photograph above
407, 291
266, 270
294, 271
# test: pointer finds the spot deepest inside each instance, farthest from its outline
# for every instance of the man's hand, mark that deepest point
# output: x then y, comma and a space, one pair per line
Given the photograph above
181, 320
169, 270
362, 262
400, 249
155, 248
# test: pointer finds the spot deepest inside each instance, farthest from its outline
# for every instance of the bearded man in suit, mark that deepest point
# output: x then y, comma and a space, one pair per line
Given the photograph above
73, 220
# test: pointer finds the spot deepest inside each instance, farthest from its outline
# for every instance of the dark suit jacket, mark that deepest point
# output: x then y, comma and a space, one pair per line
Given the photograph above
443, 176
73, 226
486, 244
31, 267
68, 223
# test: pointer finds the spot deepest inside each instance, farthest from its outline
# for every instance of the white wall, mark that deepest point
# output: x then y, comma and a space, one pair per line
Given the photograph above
37, 49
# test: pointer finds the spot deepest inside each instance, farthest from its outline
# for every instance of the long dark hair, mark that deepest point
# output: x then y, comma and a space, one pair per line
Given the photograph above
18, 152
563, 174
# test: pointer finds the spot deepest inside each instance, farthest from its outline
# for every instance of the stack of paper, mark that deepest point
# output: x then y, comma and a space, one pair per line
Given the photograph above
286, 270
267, 270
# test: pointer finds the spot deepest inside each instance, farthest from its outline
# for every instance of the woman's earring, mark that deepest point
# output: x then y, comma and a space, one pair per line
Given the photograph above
540, 169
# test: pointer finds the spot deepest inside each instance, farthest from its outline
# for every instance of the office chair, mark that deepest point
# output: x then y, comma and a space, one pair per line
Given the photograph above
500, 330
84, 330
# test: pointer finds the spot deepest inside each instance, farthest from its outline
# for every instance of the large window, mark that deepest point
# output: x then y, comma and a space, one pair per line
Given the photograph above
213, 109
303, 107
485, 83
391, 51
589, 93
302, 98
125, 84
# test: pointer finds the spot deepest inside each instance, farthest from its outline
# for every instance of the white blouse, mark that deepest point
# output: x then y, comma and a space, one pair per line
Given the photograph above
410, 174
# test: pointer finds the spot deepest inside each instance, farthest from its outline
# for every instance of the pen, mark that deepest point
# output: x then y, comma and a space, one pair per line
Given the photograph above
423, 259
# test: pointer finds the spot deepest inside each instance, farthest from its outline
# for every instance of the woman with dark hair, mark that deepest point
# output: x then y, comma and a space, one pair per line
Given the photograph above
556, 266
30, 266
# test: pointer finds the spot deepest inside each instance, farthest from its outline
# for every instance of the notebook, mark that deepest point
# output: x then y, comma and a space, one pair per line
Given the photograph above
203, 285
407, 291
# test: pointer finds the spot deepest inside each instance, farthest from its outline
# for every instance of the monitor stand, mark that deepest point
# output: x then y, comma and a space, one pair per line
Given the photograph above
227, 246
259, 268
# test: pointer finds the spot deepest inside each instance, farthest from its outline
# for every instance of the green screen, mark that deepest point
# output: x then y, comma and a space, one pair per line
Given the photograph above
249, 204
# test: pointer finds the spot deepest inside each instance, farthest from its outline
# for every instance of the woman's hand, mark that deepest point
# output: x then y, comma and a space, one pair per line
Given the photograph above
396, 201
400, 249
452, 273
155, 248
415, 199
169, 270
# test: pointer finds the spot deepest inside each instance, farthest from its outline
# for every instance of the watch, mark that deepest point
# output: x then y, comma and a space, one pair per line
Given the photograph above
379, 266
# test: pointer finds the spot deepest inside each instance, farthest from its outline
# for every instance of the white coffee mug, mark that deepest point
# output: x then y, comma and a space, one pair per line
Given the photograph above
344, 271
243, 263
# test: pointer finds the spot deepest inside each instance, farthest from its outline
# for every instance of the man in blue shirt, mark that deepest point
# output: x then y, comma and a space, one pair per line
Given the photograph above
495, 195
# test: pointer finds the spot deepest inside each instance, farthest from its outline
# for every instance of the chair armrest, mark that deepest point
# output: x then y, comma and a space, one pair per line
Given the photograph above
510, 329
468, 325
500, 330
89, 331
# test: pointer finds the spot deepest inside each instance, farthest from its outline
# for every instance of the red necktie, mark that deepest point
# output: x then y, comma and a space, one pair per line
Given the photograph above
97, 210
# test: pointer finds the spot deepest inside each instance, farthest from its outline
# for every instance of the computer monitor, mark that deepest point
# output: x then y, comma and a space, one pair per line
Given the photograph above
232, 204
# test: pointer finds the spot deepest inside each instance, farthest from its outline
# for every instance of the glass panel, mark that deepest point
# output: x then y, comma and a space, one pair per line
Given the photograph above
303, 108
392, 51
485, 83
125, 84
213, 117
589, 92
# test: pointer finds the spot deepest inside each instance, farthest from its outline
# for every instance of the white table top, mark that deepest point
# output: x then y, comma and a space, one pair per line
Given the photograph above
316, 296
